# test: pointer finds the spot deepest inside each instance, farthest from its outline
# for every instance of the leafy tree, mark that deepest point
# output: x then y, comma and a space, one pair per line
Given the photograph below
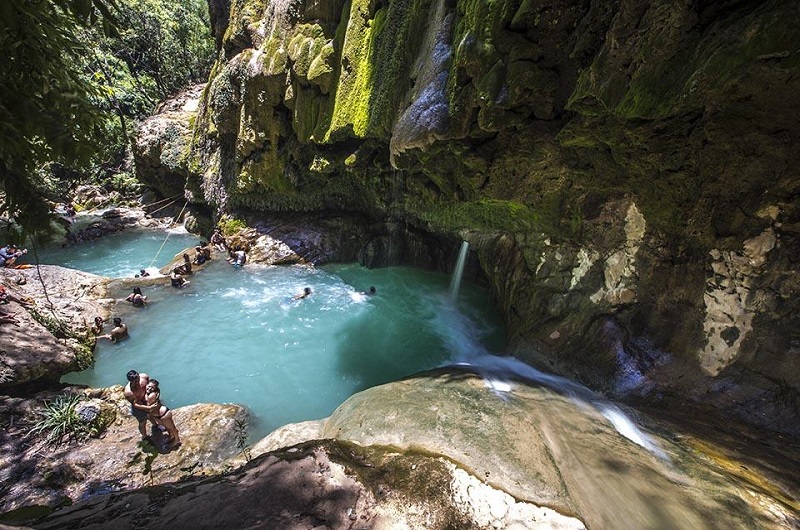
77, 79
48, 109
168, 42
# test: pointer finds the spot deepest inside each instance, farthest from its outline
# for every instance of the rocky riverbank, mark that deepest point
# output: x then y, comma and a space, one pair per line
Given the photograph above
49, 455
443, 450
438, 450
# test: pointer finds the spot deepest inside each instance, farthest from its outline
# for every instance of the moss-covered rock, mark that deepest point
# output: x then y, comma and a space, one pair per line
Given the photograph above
532, 127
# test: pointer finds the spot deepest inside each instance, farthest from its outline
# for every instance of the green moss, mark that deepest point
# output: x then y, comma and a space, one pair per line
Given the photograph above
243, 14
230, 225
320, 72
264, 173
669, 68
489, 214
398, 40
350, 115
304, 46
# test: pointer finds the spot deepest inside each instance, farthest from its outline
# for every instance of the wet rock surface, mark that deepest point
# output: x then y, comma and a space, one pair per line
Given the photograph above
447, 450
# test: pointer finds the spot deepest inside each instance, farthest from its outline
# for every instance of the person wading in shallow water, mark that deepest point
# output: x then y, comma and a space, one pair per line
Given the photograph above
119, 332
137, 298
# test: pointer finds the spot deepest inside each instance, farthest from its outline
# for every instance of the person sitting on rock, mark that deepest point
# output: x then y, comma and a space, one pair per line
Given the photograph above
176, 280
218, 240
137, 298
237, 257
9, 255
206, 248
199, 255
186, 268
119, 332
160, 413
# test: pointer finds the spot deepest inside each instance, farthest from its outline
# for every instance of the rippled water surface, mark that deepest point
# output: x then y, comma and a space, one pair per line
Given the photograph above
121, 255
236, 335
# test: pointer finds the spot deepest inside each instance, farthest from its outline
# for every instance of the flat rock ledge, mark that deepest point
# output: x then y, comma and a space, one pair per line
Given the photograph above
444, 450
37, 476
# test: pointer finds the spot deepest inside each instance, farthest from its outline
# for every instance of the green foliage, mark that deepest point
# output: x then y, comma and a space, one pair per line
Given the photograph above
48, 109
490, 214
59, 420
72, 87
230, 226
240, 433
165, 45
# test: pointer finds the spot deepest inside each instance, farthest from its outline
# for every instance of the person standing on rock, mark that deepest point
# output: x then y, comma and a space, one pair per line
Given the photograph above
135, 392
161, 414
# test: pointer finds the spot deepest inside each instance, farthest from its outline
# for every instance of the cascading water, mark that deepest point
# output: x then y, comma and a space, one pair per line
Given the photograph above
460, 338
455, 283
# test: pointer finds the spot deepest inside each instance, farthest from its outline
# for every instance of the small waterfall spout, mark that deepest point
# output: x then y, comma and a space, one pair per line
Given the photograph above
455, 282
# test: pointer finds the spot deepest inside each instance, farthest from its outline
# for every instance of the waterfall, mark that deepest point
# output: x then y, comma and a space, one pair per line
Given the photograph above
461, 337
455, 282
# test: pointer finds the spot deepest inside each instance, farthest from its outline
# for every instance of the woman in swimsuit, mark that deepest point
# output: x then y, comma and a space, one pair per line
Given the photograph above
160, 413
137, 298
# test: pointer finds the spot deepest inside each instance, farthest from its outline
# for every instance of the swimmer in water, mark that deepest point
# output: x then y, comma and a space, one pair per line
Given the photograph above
305, 293
137, 298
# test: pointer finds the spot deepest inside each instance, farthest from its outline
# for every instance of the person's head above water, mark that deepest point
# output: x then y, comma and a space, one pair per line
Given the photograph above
307, 290
137, 290
117, 321
372, 289
133, 376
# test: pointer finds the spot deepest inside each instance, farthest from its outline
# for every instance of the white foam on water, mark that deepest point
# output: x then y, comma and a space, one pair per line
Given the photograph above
466, 349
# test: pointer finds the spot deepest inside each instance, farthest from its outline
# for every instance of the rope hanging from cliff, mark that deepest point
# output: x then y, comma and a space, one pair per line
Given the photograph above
180, 214
165, 206
172, 200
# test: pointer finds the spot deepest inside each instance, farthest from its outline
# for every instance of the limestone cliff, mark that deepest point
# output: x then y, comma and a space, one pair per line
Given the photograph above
624, 170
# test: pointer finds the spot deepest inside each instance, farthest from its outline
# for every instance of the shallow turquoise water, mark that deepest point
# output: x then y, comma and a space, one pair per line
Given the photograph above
235, 336
120, 255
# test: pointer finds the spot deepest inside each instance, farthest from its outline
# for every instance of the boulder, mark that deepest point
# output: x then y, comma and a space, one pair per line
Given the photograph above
52, 339
451, 449
112, 458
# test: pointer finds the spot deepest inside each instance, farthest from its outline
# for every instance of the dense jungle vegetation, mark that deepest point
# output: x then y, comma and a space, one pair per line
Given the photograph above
76, 78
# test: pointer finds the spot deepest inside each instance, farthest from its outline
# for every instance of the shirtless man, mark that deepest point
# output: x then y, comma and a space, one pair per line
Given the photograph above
135, 392
119, 332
